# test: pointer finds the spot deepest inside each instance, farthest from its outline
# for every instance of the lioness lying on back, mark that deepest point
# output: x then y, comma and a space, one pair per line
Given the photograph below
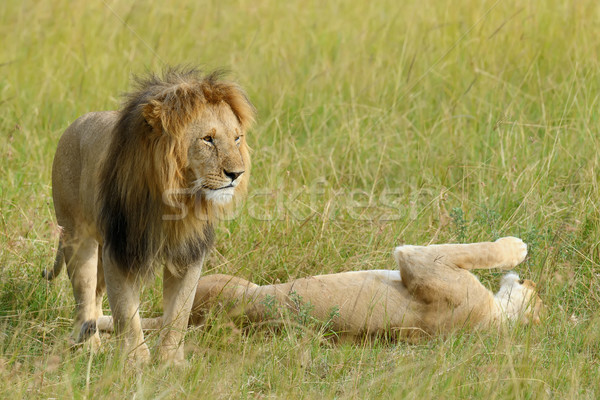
432, 292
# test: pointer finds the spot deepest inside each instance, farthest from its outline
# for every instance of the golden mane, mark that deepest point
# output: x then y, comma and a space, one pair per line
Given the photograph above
147, 159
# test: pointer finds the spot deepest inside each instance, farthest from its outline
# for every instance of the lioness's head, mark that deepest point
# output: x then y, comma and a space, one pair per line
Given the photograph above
519, 299
201, 122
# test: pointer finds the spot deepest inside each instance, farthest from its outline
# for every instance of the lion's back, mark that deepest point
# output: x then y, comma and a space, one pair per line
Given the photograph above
79, 154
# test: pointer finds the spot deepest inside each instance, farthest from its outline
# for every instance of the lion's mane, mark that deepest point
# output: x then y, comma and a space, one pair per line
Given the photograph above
147, 158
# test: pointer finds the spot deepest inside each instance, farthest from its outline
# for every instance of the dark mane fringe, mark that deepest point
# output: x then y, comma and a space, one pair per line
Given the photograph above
147, 157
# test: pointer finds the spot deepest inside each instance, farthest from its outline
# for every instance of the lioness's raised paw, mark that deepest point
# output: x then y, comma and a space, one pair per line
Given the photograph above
513, 251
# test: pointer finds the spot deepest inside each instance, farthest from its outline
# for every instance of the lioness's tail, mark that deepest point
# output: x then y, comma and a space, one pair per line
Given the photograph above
59, 261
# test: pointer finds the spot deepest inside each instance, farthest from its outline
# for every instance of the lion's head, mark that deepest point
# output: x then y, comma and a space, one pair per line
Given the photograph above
178, 158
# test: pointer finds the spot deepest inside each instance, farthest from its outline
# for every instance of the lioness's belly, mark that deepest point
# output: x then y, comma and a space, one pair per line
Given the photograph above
370, 301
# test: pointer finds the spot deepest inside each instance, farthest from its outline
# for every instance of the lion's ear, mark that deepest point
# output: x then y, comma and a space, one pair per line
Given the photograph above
152, 114
240, 105
173, 109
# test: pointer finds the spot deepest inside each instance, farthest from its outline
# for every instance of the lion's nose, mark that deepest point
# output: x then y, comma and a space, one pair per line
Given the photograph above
233, 175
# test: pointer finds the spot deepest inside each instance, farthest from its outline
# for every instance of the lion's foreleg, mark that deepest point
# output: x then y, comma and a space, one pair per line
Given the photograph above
123, 297
82, 264
178, 297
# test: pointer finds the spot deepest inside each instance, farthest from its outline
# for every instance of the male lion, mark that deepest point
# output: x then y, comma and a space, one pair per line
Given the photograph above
432, 293
145, 185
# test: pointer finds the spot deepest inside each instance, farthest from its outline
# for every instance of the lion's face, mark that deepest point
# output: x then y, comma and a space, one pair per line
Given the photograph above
217, 155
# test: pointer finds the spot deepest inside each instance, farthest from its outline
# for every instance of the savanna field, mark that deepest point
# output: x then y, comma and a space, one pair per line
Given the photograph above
379, 123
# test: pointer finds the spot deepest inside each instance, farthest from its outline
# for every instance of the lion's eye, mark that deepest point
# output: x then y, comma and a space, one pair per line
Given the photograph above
522, 281
238, 139
208, 139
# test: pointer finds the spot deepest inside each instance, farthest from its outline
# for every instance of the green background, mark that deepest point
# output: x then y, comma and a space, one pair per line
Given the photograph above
379, 123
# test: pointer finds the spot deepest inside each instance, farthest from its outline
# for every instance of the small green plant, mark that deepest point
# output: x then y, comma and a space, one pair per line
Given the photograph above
460, 224
489, 219
327, 326
301, 310
271, 307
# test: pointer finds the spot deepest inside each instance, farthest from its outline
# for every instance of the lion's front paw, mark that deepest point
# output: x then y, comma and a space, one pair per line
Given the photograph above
171, 353
139, 355
513, 251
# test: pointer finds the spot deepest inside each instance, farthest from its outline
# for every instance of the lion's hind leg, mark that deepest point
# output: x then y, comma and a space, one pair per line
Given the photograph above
81, 257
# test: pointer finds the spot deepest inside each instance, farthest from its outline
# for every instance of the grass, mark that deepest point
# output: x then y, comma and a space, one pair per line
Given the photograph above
379, 123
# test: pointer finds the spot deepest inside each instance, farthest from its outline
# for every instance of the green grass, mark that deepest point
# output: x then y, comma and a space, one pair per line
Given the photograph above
380, 123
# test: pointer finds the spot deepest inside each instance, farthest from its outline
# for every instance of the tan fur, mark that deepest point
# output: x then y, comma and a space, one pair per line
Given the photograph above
145, 185
432, 292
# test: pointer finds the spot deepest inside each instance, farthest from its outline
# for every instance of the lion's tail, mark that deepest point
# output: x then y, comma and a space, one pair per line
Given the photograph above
59, 262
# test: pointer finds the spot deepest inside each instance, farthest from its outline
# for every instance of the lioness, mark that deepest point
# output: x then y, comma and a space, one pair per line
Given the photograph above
431, 293
143, 186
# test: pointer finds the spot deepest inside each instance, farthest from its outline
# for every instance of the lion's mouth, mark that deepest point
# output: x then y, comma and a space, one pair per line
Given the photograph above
225, 187
199, 187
